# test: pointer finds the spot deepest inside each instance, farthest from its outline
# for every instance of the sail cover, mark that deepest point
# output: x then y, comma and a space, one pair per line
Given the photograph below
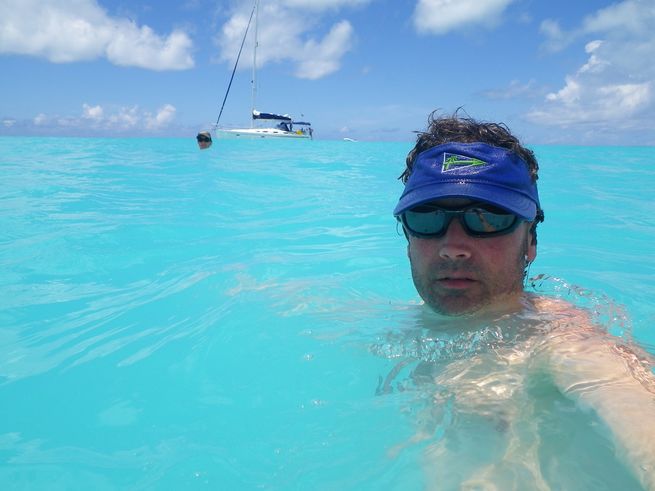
258, 115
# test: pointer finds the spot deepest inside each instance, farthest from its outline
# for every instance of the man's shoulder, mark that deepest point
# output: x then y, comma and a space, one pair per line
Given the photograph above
546, 305
560, 314
572, 329
566, 326
557, 309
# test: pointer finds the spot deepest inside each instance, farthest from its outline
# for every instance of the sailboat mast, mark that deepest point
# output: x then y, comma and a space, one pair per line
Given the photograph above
254, 67
236, 64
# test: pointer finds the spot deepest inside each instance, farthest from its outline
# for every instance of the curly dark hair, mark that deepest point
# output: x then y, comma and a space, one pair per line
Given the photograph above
460, 127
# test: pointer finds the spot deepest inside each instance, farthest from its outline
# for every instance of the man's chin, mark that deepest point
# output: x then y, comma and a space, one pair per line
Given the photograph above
475, 307
455, 309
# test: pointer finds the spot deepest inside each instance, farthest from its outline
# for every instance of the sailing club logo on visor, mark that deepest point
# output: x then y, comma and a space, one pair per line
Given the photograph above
455, 163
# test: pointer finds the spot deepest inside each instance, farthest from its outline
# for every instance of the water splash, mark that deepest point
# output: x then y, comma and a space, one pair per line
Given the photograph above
605, 312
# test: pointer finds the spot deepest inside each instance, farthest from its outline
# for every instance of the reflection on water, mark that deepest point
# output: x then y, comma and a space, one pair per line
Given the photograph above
496, 405
437, 338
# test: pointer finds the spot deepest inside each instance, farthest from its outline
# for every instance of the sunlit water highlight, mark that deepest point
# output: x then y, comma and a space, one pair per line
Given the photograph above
228, 319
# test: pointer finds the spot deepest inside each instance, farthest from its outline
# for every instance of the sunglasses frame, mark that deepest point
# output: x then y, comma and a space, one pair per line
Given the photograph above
459, 213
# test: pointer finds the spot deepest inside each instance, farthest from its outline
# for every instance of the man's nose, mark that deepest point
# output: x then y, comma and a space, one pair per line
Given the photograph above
456, 243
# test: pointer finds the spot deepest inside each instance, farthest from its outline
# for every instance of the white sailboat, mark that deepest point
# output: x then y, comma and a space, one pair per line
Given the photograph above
262, 124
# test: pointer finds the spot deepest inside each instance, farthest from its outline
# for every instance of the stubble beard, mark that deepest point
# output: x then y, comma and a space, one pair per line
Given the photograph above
489, 291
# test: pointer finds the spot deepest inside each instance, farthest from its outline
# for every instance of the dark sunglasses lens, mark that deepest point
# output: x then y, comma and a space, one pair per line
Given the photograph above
425, 221
486, 222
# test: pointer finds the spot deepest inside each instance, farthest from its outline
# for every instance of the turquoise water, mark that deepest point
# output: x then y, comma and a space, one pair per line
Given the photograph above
177, 319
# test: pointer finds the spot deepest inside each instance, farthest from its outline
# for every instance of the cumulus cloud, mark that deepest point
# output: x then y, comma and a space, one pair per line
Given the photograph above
76, 30
615, 84
141, 47
594, 64
322, 58
632, 16
92, 112
442, 16
287, 36
164, 116
96, 119
595, 105
126, 118
40, 119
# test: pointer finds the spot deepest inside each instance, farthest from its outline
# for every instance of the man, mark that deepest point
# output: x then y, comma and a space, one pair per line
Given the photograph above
204, 139
469, 210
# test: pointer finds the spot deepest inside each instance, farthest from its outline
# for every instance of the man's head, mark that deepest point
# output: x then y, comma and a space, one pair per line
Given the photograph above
469, 209
204, 139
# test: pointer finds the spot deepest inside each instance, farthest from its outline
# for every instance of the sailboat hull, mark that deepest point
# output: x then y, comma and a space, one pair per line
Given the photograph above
225, 133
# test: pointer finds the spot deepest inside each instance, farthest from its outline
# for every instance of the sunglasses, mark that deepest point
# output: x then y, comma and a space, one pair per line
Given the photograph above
478, 220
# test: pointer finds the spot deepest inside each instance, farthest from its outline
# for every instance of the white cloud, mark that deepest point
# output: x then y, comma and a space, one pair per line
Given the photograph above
615, 84
286, 35
556, 39
8, 123
594, 64
126, 118
633, 16
442, 16
568, 95
165, 115
321, 59
626, 97
602, 105
141, 47
96, 118
92, 112
76, 30
40, 119
629, 18
133, 117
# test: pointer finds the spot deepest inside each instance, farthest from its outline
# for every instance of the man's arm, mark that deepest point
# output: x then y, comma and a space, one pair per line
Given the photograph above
616, 381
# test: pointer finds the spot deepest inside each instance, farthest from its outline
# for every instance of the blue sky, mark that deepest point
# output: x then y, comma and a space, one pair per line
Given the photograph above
555, 71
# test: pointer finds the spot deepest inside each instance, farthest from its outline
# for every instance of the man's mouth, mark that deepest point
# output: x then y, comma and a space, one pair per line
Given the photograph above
456, 281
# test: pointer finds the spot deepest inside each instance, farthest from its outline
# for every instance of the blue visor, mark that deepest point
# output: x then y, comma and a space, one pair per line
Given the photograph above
476, 171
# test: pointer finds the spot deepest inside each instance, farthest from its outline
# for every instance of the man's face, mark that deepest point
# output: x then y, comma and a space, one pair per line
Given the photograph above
459, 274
